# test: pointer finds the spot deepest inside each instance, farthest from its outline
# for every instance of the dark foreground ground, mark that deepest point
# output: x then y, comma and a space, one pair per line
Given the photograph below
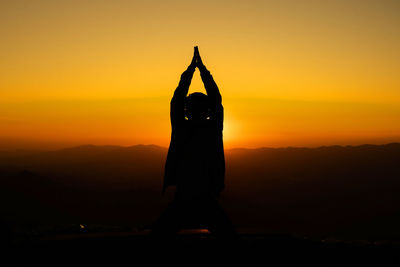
194, 248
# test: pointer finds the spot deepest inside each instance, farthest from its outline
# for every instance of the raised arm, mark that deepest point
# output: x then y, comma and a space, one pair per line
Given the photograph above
211, 89
209, 83
178, 100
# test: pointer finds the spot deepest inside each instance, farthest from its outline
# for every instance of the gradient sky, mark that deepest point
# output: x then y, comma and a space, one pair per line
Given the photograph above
291, 73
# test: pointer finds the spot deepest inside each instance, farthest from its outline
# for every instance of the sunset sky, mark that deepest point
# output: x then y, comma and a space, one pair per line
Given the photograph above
291, 73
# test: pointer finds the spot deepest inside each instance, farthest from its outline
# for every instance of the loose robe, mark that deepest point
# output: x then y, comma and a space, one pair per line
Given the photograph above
195, 162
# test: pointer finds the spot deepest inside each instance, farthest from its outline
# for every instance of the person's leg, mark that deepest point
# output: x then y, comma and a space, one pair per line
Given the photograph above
170, 220
218, 221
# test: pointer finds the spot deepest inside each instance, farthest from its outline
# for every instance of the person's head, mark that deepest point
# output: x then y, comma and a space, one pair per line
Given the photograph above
197, 106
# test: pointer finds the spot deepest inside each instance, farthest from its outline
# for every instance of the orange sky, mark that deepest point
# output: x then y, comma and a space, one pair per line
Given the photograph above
291, 73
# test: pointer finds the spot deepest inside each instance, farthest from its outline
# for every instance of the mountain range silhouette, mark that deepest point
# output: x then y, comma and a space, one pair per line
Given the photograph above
346, 192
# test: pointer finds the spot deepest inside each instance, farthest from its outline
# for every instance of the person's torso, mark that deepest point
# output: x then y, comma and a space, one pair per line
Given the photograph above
199, 157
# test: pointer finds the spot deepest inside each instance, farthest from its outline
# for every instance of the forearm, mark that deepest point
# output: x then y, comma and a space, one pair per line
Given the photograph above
178, 100
184, 83
210, 85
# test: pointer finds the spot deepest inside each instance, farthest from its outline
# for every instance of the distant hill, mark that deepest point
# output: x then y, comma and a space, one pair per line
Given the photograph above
332, 191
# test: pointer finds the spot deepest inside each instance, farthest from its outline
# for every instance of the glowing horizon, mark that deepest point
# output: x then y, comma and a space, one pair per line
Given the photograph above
291, 73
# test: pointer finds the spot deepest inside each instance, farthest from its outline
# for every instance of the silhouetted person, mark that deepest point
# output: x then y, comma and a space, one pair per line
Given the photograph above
195, 162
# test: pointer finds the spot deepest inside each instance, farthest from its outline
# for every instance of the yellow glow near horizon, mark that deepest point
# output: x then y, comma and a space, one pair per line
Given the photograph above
291, 73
